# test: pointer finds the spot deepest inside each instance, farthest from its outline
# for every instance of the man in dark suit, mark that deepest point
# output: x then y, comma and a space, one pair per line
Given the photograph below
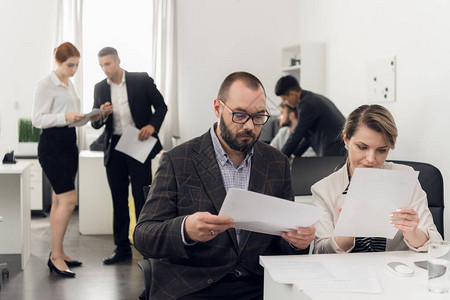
319, 121
194, 253
128, 98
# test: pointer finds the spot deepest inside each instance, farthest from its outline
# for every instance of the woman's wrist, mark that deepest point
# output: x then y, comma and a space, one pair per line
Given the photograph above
417, 239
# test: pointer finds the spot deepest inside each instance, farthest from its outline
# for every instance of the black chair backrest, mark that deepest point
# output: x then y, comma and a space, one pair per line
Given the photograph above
432, 183
308, 170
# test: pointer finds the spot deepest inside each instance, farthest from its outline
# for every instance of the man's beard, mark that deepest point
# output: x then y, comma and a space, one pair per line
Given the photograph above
287, 123
232, 140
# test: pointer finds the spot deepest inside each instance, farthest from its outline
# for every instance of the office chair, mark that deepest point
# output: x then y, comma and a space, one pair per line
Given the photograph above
432, 183
146, 268
306, 171
4, 266
145, 264
269, 130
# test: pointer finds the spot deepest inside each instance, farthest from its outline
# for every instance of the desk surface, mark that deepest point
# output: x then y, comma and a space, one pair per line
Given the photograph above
394, 287
91, 154
16, 168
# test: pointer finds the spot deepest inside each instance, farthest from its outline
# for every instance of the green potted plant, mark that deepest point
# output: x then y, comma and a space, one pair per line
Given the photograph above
28, 138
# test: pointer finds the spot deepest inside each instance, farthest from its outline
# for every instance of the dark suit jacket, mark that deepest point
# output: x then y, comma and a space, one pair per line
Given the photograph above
319, 125
142, 96
187, 181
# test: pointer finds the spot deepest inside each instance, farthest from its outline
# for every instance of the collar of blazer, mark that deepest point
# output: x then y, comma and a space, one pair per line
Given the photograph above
209, 173
206, 164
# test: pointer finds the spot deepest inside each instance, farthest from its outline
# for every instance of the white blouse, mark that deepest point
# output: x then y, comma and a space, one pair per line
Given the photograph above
52, 100
327, 194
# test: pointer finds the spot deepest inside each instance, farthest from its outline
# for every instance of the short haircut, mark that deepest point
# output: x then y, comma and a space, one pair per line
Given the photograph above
64, 51
375, 117
286, 84
289, 109
248, 79
108, 51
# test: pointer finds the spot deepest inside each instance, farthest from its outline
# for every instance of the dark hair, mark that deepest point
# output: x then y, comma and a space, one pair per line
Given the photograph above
289, 109
248, 79
64, 51
286, 84
375, 117
108, 51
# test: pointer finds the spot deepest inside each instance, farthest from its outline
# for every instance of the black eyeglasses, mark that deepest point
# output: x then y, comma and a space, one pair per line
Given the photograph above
242, 118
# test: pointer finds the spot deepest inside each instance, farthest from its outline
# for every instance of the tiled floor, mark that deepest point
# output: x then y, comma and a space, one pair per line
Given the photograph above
93, 281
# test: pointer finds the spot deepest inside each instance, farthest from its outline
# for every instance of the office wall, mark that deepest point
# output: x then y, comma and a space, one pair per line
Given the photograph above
218, 37
222, 36
25, 57
356, 32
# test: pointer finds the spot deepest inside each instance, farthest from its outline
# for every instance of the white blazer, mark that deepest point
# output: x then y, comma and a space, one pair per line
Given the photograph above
327, 194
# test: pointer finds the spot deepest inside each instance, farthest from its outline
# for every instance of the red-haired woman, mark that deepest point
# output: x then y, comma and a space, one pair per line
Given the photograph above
56, 105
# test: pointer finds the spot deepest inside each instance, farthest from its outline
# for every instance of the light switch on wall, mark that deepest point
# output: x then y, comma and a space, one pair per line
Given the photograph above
381, 80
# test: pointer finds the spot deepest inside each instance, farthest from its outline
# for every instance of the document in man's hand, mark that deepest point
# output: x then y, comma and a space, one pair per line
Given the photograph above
373, 195
266, 214
130, 144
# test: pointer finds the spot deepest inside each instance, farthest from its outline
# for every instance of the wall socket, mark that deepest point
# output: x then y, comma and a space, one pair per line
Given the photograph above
381, 80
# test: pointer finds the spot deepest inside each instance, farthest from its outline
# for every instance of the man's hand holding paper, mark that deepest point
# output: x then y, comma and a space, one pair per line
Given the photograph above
204, 226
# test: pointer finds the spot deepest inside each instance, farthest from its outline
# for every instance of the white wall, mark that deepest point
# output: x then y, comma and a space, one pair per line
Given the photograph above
216, 38
25, 57
356, 32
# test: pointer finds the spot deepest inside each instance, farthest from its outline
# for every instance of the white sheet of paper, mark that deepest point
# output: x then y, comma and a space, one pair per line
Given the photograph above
132, 146
289, 269
311, 274
372, 196
94, 112
266, 214
349, 279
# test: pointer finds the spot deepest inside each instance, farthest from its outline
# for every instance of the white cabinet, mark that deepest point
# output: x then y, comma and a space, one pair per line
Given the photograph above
95, 210
15, 233
36, 192
306, 62
36, 185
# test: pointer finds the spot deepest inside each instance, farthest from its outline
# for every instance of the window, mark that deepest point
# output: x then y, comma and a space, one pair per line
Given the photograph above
124, 25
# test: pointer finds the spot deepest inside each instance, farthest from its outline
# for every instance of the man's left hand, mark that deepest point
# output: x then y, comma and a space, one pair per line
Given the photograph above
146, 132
300, 238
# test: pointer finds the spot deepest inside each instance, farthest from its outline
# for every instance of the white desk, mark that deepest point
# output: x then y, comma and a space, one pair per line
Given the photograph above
95, 209
15, 232
394, 287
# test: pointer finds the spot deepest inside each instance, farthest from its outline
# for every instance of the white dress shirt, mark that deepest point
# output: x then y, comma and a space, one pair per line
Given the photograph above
121, 108
52, 100
280, 138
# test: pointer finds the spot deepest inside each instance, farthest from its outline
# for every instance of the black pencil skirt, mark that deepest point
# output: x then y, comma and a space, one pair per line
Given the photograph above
58, 156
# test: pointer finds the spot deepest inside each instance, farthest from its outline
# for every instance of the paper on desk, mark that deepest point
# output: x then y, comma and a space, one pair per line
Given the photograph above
94, 112
311, 274
290, 269
132, 146
266, 214
348, 279
372, 196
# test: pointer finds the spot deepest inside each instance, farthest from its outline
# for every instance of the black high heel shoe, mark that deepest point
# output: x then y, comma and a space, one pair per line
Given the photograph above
67, 273
73, 263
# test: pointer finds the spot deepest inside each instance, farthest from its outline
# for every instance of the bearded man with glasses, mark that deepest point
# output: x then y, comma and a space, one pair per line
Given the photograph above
194, 253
